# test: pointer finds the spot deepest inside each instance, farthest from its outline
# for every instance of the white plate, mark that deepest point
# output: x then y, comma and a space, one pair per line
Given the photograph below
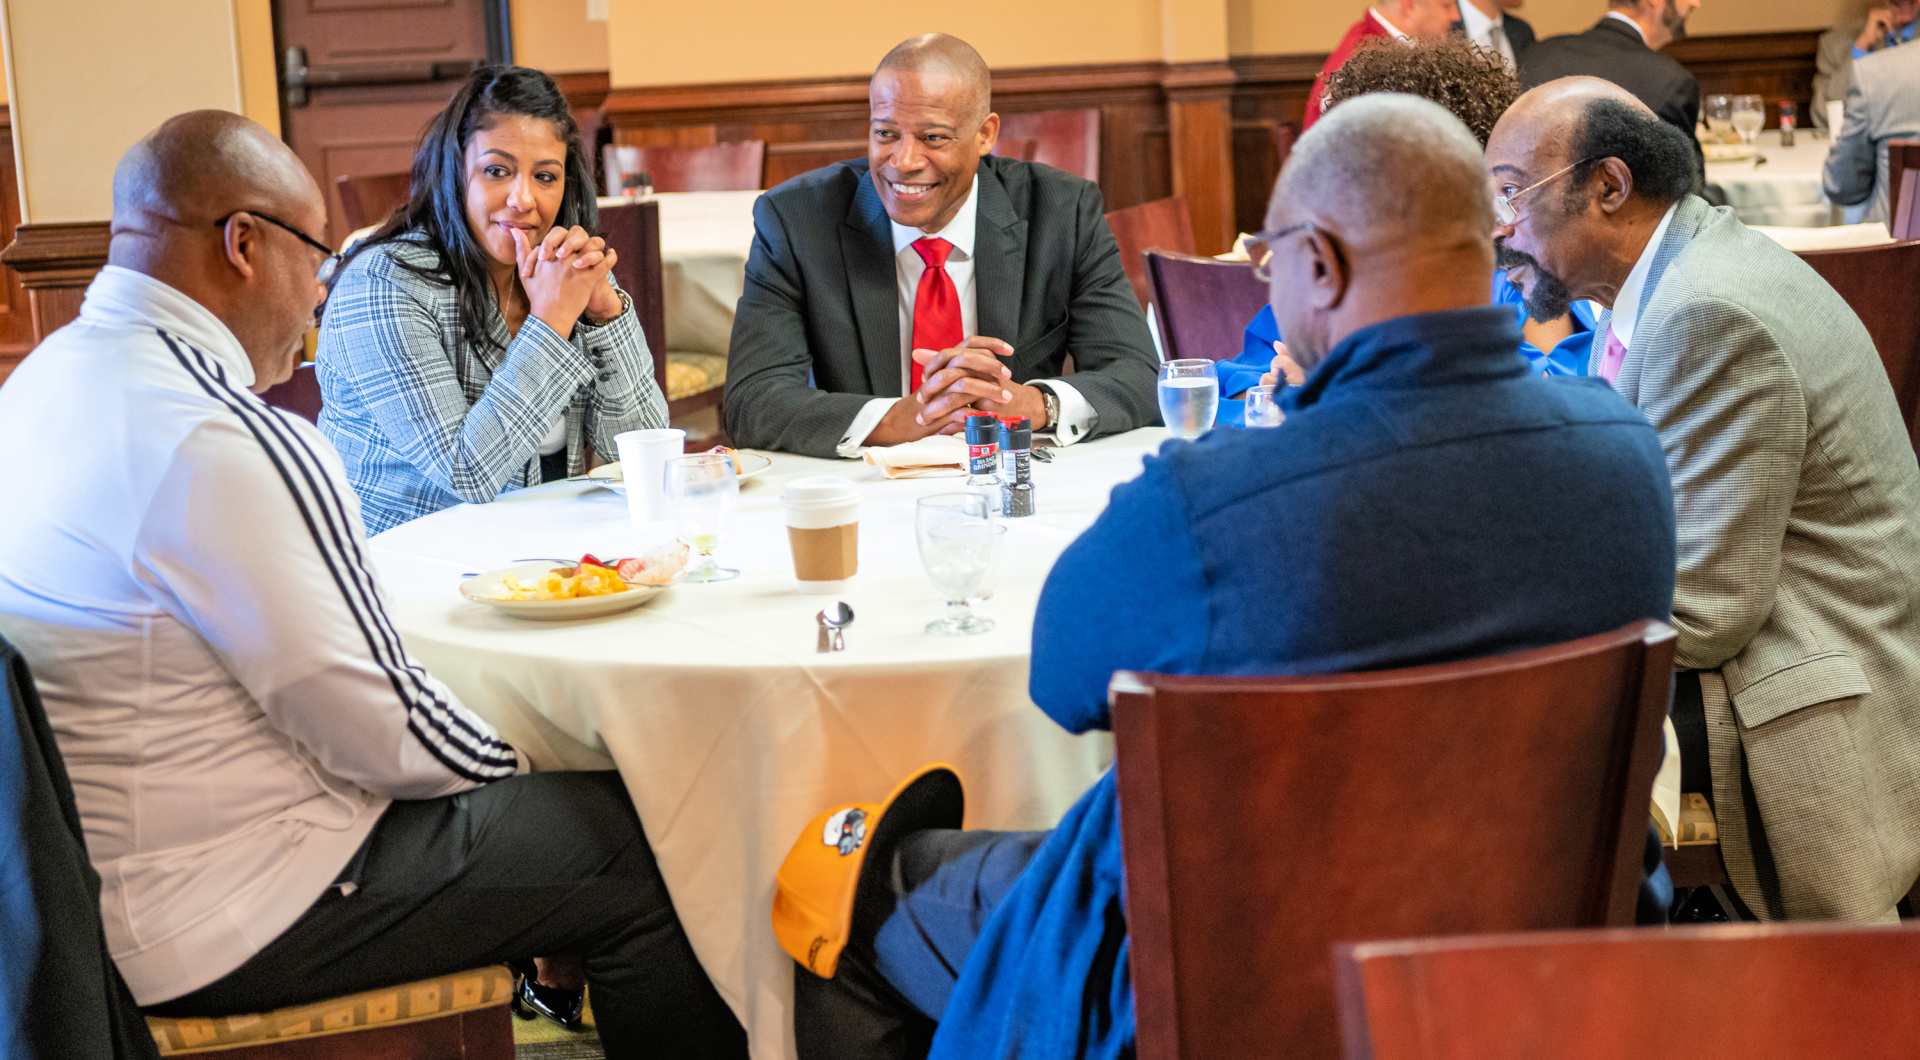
480, 587
608, 475
1717, 153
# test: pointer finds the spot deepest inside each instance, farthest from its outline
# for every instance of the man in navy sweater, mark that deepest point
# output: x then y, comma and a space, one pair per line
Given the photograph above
1429, 498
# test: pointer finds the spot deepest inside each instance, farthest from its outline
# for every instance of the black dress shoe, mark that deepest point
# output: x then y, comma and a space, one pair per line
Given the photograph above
564, 1007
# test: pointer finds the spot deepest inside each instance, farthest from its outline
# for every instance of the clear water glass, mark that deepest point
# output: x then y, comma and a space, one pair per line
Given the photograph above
1719, 112
1263, 407
1749, 117
958, 541
703, 492
1189, 396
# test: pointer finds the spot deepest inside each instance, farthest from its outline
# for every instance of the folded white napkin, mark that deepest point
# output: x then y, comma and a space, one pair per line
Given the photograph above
942, 454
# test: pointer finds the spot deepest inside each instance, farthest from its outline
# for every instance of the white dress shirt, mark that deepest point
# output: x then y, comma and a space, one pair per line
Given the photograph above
1626, 305
1486, 31
1076, 414
188, 582
1374, 13
1630, 22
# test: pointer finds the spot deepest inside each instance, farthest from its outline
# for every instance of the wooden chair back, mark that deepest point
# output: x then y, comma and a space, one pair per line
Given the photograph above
299, 395
789, 160
1903, 187
1063, 139
1266, 818
1882, 285
1204, 303
1260, 150
632, 230
367, 200
715, 167
1020, 149
1164, 224
1809, 991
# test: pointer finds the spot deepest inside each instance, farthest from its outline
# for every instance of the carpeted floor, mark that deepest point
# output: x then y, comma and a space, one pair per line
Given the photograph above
539, 1039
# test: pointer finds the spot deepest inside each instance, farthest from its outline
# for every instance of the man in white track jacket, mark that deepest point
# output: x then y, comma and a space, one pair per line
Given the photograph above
282, 805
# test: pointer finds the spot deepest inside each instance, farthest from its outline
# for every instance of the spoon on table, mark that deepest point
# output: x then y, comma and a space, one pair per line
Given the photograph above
833, 623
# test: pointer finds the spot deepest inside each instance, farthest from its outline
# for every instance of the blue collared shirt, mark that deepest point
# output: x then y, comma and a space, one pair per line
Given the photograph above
1895, 38
1236, 374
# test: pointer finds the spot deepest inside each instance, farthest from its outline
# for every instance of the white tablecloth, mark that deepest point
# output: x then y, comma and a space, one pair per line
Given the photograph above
704, 239
1784, 190
730, 731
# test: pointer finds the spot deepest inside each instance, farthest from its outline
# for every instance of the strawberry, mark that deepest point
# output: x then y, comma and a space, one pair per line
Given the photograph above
590, 560
629, 569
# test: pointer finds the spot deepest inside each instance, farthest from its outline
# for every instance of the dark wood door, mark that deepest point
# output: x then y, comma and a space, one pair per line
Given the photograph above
360, 79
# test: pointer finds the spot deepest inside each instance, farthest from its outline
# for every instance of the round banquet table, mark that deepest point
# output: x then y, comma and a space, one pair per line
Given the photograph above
730, 731
1785, 190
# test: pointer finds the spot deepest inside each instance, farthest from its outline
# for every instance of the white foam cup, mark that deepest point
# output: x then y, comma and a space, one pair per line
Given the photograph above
643, 463
1836, 116
823, 527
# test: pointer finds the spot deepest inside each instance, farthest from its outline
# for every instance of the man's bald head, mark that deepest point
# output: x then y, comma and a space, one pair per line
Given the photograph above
944, 55
1388, 171
205, 164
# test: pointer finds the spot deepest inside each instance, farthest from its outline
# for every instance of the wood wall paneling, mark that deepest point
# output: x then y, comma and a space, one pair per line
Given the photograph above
1775, 66
55, 263
1200, 148
17, 336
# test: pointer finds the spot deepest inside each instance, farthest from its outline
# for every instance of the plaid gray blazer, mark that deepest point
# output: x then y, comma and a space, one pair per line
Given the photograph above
1798, 588
425, 419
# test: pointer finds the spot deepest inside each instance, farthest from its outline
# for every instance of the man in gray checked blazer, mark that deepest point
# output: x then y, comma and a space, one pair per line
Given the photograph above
1003, 268
1796, 492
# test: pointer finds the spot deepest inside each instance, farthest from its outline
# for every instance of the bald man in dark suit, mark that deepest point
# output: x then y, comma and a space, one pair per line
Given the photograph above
1624, 48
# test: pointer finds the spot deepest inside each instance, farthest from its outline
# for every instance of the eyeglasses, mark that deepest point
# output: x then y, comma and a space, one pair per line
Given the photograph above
332, 261
1260, 247
1503, 211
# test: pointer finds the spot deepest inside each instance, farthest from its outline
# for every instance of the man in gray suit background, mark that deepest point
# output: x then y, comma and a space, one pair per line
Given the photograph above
1883, 104
1796, 495
1887, 24
887, 297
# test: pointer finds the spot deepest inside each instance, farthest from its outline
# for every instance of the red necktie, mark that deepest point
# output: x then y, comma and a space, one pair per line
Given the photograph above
1611, 357
936, 303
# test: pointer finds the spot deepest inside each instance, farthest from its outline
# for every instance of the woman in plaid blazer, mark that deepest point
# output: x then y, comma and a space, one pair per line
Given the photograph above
477, 342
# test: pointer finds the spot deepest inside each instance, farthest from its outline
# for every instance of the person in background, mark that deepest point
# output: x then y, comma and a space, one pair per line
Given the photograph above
1883, 105
1476, 87
1624, 48
477, 342
282, 804
1794, 484
1402, 20
1014, 944
1886, 25
1492, 25
889, 296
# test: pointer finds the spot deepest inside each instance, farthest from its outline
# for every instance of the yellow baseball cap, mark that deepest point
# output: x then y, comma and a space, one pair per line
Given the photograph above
822, 875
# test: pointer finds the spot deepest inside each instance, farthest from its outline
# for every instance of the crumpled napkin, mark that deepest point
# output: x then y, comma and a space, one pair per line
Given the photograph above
942, 454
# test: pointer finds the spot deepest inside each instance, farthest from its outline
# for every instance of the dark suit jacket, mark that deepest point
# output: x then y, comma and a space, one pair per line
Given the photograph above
1519, 34
821, 297
1613, 50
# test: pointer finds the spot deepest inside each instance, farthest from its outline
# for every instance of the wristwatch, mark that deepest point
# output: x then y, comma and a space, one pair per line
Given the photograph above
626, 306
1053, 407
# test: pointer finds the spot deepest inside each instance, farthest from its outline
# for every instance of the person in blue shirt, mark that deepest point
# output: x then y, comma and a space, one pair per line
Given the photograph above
1476, 86
1428, 498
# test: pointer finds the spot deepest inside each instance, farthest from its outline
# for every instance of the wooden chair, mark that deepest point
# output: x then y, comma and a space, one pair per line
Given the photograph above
1808, 991
453, 1017
717, 167
1063, 139
367, 200
1903, 187
299, 395
789, 160
632, 230
1265, 819
1164, 224
1882, 284
1020, 149
1204, 303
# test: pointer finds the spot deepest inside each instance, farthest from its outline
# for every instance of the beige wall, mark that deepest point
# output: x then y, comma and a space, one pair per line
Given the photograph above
555, 36
81, 96
654, 43
1268, 27
259, 81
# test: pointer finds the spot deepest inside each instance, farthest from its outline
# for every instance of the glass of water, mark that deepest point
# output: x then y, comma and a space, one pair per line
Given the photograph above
1749, 117
958, 540
1263, 407
1189, 396
1719, 114
702, 492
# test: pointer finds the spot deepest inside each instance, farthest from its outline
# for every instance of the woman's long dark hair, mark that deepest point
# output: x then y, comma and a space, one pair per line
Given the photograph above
436, 213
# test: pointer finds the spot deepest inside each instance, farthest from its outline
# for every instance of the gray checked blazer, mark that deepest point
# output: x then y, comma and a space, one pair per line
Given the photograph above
426, 418
817, 332
1883, 104
1797, 502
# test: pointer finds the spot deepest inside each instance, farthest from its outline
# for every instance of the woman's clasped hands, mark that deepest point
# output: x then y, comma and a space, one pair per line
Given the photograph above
565, 275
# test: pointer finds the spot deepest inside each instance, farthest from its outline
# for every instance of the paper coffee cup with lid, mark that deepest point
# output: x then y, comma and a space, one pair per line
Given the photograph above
823, 526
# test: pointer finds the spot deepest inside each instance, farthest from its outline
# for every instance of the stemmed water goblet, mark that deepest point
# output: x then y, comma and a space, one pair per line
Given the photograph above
958, 540
702, 491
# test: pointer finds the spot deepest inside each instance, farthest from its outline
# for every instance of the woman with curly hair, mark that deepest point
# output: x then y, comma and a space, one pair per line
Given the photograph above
1477, 87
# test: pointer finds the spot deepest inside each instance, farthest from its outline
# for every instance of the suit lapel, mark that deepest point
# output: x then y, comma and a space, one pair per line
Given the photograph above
866, 245
1000, 260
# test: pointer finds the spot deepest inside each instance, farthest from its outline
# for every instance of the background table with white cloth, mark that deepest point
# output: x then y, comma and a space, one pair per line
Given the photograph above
730, 731
1785, 190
